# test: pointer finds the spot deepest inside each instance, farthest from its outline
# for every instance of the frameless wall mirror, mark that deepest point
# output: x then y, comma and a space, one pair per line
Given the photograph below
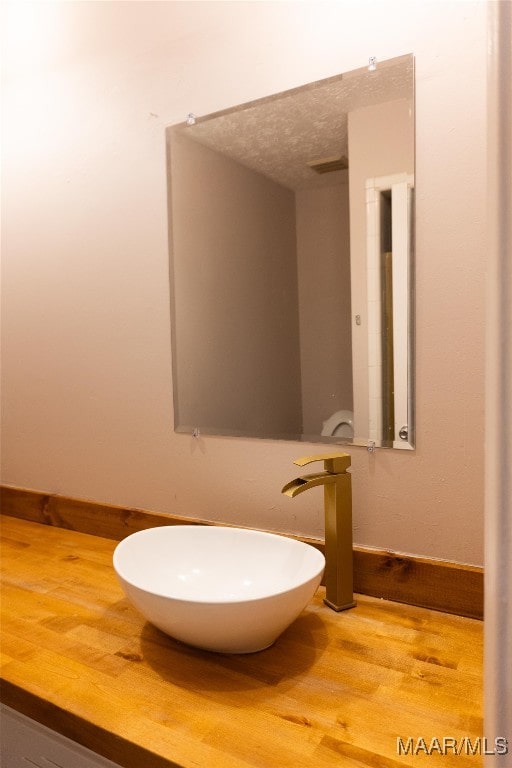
291, 224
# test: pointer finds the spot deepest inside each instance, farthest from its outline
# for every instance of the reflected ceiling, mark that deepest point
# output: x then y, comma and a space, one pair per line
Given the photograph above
278, 136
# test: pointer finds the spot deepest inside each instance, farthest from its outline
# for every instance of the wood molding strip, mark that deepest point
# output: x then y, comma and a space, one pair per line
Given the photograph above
437, 584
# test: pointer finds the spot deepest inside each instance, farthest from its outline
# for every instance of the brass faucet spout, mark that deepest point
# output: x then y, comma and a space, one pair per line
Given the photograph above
306, 482
338, 523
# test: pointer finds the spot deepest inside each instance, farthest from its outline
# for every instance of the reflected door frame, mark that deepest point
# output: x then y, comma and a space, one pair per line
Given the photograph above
388, 270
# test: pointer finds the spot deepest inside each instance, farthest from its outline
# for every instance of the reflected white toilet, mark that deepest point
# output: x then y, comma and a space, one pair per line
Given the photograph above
340, 424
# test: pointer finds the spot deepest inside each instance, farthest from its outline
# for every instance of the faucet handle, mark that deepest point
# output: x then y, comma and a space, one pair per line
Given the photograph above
335, 463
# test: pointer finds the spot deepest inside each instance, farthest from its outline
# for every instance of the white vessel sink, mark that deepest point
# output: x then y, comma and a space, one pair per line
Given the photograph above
231, 590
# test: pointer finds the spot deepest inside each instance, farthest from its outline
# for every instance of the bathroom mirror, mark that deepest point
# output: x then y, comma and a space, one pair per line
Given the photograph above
291, 223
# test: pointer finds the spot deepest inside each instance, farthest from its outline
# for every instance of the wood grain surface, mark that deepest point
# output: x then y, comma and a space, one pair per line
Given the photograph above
334, 690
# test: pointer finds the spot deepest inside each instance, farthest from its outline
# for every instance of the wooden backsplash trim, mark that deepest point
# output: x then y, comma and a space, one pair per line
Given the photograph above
436, 584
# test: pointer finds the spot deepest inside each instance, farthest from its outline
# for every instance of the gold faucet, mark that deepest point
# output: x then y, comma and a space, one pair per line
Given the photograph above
339, 578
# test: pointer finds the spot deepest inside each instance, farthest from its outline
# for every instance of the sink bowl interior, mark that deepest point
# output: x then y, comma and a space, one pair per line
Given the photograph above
225, 589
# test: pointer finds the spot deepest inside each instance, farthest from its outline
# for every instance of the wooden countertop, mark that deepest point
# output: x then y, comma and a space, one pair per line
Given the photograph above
335, 689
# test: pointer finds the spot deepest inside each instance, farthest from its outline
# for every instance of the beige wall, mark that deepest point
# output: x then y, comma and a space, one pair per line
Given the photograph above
235, 280
323, 257
87, 406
